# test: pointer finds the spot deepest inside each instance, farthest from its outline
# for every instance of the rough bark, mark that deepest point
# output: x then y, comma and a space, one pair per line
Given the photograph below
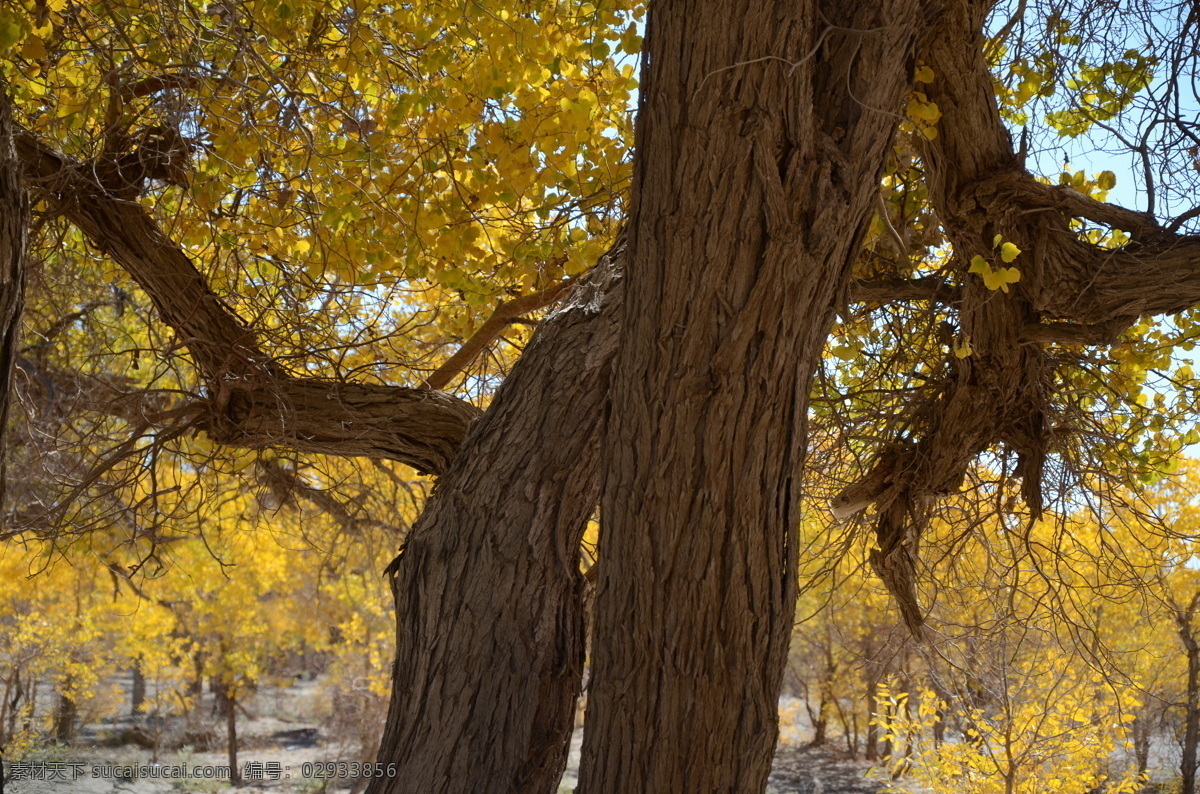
489, 596
761, 136
1070, 292
252, 402
14, 222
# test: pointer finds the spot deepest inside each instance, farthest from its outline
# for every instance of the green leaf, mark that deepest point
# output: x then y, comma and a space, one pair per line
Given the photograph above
10, 33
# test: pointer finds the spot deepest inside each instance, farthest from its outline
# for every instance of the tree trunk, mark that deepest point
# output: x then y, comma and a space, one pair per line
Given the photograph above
1184, 620
874, 673
1142, 729
1191, 734
489, 596
137, 690
14, 222
761, 136
64, 719
231, 734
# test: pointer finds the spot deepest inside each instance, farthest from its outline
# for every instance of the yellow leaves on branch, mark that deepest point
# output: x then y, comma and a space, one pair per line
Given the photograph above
922, 113
416, 146
998, 278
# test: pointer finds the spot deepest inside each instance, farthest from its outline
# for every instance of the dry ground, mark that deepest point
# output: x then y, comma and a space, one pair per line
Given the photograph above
279, 726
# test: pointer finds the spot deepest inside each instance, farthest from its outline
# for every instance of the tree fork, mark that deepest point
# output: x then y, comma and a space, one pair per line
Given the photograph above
489, 706
1001, 393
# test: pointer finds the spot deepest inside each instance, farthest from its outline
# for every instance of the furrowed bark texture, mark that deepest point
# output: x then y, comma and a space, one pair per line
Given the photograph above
1070, 292
14, 223
761, 136
489, 596
252, 401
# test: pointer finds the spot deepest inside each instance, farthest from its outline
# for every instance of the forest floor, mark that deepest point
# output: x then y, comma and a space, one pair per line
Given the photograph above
289, 738
299, 742
797, 770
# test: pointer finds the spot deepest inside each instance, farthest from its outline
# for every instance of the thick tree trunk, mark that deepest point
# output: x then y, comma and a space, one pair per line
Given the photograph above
761, 136
14, 221
489, 596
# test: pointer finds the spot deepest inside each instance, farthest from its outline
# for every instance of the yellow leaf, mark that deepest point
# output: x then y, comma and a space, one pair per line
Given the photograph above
844, 352
1009, 252
34, 49
922, 109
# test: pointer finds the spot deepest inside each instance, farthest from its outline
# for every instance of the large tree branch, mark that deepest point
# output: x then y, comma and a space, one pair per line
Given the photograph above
253, 401
14, 221
926, 288
1070, 292
489, 706
1017, 186
1073, 280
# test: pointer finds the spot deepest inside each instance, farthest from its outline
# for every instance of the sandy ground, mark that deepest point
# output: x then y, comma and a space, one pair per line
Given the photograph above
287, 746
797, 771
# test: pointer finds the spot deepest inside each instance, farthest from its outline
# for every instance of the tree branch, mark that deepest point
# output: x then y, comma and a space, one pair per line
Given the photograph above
253, 402
14, 224
286, 485
501, 318
1019, 188
927, 288
1001, 393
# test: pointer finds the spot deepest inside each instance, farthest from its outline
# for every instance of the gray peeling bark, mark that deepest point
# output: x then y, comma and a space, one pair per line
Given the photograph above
14, 220
489, 596
761, 137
